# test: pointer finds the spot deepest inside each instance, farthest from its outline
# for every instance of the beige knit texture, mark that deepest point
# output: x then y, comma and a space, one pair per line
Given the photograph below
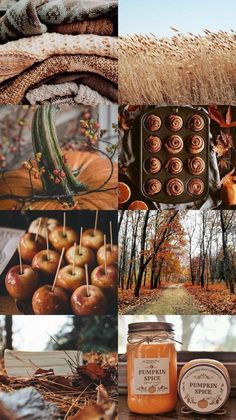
16, 56
79, 94
14, 91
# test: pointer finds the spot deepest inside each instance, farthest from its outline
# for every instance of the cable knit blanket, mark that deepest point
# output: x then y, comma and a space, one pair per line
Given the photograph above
34, 17
94, 81
21, 54
71, 91
14, 91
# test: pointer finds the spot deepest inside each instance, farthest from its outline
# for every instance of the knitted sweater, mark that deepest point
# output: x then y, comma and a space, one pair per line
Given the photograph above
14, 91
21, 54
78, 94
32, 17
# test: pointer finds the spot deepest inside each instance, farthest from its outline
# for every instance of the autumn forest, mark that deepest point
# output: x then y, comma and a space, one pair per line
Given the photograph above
177, 262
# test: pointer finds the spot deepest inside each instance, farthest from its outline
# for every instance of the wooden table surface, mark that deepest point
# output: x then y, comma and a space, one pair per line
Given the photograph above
124, 413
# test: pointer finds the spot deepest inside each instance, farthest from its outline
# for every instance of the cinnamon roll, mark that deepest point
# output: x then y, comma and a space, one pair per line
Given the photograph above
153, 165
153, 144
195, 186
152, 186
174, 187
196, 144
174, 166
196, 165
174, 122
153, 122
174, 144
196, 123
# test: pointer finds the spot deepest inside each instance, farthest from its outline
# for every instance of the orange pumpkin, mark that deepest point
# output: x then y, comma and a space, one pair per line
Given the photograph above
93, 171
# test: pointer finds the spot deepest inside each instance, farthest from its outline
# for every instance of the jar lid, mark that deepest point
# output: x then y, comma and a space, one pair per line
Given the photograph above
151, 326
204, 386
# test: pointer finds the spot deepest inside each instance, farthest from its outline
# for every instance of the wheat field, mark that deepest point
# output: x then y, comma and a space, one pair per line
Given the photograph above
183, 69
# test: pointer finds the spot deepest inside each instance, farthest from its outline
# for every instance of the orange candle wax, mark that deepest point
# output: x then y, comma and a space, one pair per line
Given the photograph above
151, 368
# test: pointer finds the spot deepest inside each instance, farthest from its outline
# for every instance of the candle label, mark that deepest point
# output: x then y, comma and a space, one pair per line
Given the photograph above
203, 389
151, 376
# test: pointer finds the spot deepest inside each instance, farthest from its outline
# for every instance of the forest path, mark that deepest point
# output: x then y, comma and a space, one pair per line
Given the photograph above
174, 300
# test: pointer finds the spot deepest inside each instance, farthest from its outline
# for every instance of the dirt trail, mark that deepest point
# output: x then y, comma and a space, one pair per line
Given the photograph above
174, 300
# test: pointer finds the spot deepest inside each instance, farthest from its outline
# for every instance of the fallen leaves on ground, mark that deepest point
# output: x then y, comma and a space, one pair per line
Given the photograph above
217, 299
128, 301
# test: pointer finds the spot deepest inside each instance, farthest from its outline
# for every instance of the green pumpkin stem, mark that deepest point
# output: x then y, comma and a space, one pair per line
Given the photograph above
55, 174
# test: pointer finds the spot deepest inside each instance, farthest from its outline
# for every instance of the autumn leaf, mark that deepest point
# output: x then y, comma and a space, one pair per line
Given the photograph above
223, 163
224, 143
92, 371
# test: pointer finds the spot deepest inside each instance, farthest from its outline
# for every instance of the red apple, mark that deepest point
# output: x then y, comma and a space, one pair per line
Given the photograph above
112, 254
21, 286
29, 246
94, 304
60, 240
82, 256
106, 281
46, 267
93, 239
67, 280
48, 302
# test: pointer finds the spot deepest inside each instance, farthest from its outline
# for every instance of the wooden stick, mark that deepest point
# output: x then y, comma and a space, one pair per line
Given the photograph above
39, 227
73, 269
58, 268
111, 236
80, 241
95, 223
64, 223
87, 279
48, 256
20, 258
105, 253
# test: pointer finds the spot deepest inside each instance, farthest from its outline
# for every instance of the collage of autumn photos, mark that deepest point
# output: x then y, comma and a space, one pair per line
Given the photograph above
117, 210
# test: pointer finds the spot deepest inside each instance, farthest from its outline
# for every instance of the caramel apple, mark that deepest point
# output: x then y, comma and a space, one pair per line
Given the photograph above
31, 244
82, 256
111, 253
92, 303
21, 284
69, 280
45, 263
106, 280
63, 237
46, 224
92, 238
46, 301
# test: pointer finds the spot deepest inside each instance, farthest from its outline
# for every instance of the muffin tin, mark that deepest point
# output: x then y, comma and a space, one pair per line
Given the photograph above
174, 153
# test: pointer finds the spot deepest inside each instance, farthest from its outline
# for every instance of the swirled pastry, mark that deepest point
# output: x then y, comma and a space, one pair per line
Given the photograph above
153, 165
195, 186
152, 186
174, 187
174, 165
195, 144
174, 144
196, 123
153, 122
153, 144
196, 165
174, 122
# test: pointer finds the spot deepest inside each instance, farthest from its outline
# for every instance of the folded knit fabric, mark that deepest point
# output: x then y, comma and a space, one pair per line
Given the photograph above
14, 91
21, 54
79, 94
99, 26
95, 82
32, 17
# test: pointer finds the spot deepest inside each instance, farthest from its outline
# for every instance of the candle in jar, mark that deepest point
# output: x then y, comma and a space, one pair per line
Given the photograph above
151, 368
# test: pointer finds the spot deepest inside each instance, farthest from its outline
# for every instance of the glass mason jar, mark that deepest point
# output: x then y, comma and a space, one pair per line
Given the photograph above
151, 368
